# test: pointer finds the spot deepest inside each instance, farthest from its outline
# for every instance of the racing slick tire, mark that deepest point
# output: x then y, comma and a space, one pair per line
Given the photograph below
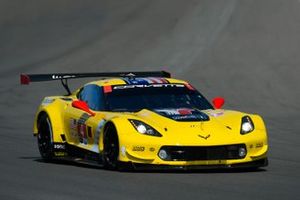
45, 137
110, 148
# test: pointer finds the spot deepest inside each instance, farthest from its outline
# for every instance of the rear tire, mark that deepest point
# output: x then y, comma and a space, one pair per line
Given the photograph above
110, 148
45, 138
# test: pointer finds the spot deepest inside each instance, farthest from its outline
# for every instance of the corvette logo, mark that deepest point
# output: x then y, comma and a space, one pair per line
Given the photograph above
204, 137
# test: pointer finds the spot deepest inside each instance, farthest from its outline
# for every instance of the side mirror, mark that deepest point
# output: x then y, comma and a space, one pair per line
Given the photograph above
81, 105
218, 102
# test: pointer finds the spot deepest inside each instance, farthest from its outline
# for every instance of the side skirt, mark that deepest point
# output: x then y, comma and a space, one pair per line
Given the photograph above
65, 151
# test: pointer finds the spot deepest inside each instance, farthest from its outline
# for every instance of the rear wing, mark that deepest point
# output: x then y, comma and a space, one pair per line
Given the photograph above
26, 79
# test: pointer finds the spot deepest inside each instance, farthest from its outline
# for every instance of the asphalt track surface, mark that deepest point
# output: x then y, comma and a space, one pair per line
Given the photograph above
244, 50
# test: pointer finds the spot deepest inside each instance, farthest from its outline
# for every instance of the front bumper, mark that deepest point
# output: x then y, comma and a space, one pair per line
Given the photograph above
140, 166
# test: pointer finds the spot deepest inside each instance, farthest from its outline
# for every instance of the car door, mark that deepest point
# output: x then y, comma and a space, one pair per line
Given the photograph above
84, 128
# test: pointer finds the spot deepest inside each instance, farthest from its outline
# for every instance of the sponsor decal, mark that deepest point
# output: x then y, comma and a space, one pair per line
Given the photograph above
156, 80
183, 114
82, 133
151, 149
185, 111
73, 124
60, 154
54, 77
59, 146
47, 101
79, 129
138, 148
259, 145
168, 111
146, 81
215, 113
123, 151
66, 99
122, 87
59, 149
185, 117
73, 128
136, 81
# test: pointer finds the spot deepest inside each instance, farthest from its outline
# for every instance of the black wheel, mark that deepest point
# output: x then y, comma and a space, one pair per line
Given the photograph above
44, 137
110, 148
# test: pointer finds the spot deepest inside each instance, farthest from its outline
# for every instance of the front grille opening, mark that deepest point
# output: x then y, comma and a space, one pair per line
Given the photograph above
194, 153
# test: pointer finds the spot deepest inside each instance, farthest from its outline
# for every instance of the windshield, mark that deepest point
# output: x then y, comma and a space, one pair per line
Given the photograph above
132, 98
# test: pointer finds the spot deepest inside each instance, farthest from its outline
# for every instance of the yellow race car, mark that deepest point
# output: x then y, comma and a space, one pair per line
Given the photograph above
145, 120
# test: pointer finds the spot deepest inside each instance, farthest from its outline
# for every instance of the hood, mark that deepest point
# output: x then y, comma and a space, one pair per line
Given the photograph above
189, 125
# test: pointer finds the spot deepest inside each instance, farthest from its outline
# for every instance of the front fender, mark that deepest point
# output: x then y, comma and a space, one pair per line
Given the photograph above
122, 126
55, 111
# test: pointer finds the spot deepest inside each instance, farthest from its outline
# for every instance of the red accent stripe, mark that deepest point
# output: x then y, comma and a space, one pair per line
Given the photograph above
163, 80
153, 80
189, 86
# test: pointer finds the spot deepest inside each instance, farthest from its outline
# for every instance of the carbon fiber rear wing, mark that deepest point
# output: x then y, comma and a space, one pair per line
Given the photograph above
26, 79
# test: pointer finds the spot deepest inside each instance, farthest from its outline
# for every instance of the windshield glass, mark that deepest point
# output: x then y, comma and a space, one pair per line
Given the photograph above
132, 98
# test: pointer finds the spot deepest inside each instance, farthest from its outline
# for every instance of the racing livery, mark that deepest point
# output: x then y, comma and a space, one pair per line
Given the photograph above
145, 120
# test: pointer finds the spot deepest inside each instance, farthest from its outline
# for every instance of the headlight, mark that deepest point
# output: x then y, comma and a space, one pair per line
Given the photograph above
247, 125
144, 128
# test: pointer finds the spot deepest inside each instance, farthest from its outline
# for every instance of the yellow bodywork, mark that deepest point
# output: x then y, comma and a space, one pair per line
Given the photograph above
223, 128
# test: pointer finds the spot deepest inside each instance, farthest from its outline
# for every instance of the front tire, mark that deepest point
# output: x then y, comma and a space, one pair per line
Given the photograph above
111, 148
45, 138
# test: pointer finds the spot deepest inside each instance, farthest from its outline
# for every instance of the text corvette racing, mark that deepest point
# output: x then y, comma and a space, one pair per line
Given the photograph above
145, 120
